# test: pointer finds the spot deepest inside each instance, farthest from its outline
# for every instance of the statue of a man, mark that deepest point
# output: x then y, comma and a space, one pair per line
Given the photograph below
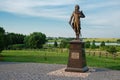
75, 21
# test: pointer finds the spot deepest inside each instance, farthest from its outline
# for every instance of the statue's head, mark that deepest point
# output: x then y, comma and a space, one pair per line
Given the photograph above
77, 7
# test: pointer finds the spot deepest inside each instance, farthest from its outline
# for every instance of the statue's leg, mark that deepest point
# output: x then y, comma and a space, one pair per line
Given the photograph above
73, 26
75, 29
78, 32
77, 36
79, 28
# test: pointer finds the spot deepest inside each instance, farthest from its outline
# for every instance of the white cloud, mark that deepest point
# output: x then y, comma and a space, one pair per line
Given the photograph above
106, 18
101, 4
29, 7
104, 14
51, 8
102, 18
100, 14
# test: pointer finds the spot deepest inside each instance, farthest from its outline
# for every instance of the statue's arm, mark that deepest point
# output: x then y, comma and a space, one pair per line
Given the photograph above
71, 19
82, 14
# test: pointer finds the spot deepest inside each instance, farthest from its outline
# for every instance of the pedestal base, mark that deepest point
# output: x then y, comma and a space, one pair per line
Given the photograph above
77, 59
70, 69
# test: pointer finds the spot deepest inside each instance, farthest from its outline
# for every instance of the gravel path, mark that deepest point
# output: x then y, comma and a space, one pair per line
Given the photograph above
39, 71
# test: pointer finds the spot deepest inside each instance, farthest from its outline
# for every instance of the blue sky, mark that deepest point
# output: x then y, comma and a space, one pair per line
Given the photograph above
52, 16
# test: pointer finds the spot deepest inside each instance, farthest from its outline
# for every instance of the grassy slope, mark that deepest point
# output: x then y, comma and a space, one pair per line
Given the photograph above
56, 57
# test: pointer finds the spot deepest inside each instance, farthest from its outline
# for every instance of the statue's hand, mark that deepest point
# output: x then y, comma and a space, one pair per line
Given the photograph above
82, 15
70, 22
81, 11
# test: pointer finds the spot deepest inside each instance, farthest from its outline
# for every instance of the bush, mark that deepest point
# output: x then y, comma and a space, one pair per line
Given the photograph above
64, 44
55, 44
102, 44
112, 49
35, 40
87, 44
93, 46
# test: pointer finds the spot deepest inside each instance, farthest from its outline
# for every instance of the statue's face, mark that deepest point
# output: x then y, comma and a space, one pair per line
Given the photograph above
76, 7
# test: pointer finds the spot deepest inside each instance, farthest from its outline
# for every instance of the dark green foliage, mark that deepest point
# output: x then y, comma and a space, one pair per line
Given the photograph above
26, 41
108, 41
93, 46
64, 44
111, 49
35, 40
118, 41
102, 44
87, 44
16, 41
15, 38
118, 48
2, 39
55, 44
2, 30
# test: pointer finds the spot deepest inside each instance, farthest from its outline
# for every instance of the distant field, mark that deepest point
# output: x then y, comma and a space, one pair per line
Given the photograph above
91, 39
101, 39
56, 56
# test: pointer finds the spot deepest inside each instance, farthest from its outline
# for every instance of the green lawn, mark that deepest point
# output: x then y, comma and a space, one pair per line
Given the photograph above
56, 56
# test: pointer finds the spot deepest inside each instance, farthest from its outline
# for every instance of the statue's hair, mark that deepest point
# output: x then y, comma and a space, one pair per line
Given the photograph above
77, 6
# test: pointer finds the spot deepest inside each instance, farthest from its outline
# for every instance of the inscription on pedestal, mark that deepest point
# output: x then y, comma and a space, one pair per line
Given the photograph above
75, 55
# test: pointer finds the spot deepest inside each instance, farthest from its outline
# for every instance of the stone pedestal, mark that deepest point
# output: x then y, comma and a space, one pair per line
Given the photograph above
77, 59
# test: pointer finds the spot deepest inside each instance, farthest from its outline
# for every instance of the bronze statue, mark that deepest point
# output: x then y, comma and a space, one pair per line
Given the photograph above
75, 21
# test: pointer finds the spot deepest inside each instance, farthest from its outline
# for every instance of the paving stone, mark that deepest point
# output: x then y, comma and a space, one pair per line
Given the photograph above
40, 71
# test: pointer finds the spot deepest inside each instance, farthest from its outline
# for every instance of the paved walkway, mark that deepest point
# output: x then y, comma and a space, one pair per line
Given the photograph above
39, 71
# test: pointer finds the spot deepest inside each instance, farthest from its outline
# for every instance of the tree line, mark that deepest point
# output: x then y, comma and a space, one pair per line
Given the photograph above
20, 41
36, 40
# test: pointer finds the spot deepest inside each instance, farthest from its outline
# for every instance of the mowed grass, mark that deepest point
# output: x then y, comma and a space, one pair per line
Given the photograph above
39, 56
103, 62
57, 57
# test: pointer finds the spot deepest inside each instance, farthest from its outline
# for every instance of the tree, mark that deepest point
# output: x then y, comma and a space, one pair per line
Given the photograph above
2, 38
35, 40
112, 50
93, 46
102, 44
64, 44
118, 40
26, 41
55, 44
87, 44
15, 38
